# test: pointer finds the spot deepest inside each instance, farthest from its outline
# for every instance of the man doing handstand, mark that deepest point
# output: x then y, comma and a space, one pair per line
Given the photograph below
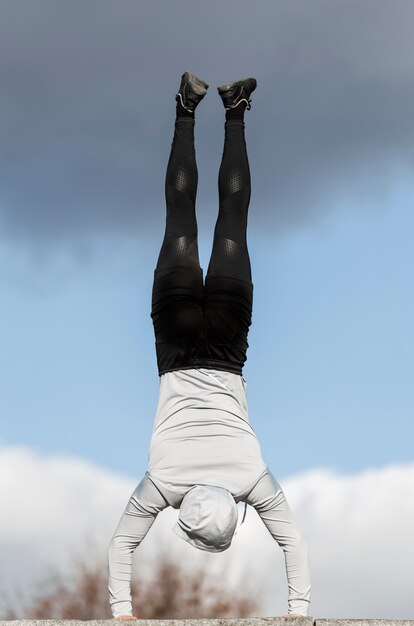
204, 455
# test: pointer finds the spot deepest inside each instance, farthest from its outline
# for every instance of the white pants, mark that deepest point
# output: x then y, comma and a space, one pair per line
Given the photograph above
266, 497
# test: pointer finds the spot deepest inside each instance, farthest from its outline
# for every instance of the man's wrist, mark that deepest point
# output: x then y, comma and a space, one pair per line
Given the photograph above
300, 607
122, 609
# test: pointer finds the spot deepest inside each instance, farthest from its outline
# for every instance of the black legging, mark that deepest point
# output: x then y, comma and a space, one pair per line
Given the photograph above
200, 325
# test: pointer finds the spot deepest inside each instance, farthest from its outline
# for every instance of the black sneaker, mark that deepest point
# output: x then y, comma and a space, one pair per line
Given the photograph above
234, 93
192, 91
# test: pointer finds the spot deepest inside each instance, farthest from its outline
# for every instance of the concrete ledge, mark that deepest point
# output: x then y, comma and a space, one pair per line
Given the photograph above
362, 622
224, 621
247, 621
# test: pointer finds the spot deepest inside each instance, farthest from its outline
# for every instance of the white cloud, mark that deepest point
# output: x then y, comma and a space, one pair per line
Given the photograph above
358, 528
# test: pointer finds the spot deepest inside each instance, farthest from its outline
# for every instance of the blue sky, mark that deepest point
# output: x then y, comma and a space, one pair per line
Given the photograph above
329, 367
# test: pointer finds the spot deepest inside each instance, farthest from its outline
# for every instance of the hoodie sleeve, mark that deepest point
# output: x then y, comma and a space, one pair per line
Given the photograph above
269, 501
139, 515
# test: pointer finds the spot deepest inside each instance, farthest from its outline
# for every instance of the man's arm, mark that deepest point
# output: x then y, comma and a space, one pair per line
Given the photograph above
269, 501
139, 515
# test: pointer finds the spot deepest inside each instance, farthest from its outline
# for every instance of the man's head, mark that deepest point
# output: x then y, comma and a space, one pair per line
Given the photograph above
207, 518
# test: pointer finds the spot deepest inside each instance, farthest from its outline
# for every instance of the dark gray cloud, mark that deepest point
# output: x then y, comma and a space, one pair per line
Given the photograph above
87, 107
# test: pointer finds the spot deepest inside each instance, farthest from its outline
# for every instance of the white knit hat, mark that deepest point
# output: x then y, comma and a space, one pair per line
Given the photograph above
208, 518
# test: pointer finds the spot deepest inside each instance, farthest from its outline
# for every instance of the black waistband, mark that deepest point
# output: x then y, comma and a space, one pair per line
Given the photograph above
207, 364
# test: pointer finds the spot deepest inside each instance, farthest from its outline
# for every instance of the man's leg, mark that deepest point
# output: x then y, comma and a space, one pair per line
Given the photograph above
179, 247
228, 289
230, 256
178, 282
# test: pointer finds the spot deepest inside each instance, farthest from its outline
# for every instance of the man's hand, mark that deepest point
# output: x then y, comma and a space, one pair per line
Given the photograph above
126, 617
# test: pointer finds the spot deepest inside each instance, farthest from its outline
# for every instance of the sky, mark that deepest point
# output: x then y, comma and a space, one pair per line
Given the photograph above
86, 124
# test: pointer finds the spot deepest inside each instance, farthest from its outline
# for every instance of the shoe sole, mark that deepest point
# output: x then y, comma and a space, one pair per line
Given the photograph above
198, 85
237, 83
